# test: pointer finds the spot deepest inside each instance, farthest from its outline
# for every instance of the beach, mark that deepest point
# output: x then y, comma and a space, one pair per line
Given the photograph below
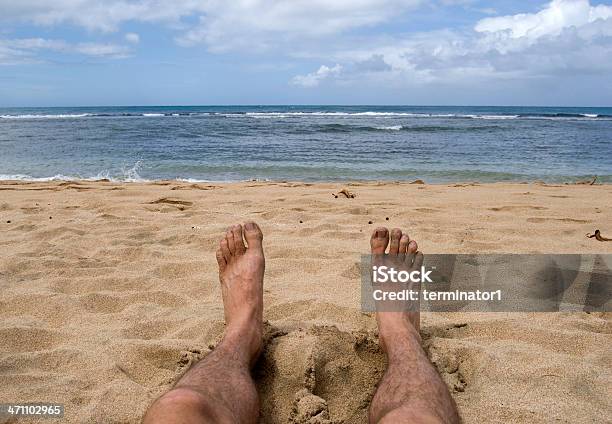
109, 292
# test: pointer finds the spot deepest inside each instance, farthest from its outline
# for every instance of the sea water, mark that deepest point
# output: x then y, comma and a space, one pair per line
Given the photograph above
307, 143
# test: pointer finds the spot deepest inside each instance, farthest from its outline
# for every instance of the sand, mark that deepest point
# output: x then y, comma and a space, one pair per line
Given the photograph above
108, 292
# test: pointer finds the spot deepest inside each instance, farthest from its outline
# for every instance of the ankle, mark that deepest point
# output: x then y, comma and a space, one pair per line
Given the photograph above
399, 338
244, 342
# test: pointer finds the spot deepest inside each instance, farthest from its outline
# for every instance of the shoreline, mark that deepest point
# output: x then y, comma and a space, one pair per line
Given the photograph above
347, 182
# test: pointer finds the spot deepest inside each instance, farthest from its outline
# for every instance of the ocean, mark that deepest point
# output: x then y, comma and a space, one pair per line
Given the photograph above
307, 143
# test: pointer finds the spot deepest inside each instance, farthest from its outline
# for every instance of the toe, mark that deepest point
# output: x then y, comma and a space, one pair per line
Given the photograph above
379, 241
238, 241
403, 244
253, 235
413, 247
220, 260
223, 246
412, 253
396, 235
229, 236
418, 260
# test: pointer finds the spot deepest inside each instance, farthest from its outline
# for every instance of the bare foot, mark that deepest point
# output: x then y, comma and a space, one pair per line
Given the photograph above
403, 254
241, 272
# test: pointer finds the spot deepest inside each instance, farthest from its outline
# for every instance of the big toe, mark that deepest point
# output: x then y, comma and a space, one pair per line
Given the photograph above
253, 235
379, 241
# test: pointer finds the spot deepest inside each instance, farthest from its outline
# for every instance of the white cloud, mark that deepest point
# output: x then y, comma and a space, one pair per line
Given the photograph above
23, 50
551, 21
221, 24
97, 15
112, 51
132, 37
566, 37
374, 64
263, 23
10, 56
313, 79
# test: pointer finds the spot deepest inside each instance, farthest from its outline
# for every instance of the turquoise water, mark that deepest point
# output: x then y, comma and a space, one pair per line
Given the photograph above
310, 143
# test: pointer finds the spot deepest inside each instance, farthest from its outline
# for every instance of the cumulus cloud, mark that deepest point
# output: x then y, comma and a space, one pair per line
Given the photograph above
264, 23
221, 24
570, 37
551, 21
313, 79
373, 65
564, 37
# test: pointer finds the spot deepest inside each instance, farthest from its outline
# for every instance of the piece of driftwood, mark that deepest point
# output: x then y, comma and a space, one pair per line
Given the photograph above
597, 236
587, 182
344, 192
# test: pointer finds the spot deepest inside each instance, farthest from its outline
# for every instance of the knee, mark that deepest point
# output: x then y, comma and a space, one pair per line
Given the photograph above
182, 397
414, 415
176, 405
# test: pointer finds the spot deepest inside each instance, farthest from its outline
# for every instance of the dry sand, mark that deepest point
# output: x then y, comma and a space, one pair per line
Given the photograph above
109, 291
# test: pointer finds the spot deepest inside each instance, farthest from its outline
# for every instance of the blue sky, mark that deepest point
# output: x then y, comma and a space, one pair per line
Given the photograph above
198, 52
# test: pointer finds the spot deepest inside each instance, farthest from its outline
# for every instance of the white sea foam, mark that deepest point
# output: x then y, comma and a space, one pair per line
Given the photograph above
372, 114
22, 177
288, 114
276, 115
60, 116
390, 128
131, 174
496, 116
127, 175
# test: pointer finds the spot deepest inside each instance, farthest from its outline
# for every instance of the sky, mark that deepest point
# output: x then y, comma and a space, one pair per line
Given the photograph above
219, 52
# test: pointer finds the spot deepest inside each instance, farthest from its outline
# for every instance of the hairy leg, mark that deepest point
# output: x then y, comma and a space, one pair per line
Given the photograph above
219, 388
411, 389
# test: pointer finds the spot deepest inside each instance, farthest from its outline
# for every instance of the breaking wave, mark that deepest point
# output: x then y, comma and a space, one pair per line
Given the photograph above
280, 115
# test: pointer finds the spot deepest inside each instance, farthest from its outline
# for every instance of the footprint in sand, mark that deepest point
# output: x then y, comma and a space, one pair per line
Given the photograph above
308, 376
173, 201
517, 207
537, 220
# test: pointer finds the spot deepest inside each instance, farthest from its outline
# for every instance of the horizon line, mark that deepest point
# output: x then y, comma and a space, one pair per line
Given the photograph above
300, 105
